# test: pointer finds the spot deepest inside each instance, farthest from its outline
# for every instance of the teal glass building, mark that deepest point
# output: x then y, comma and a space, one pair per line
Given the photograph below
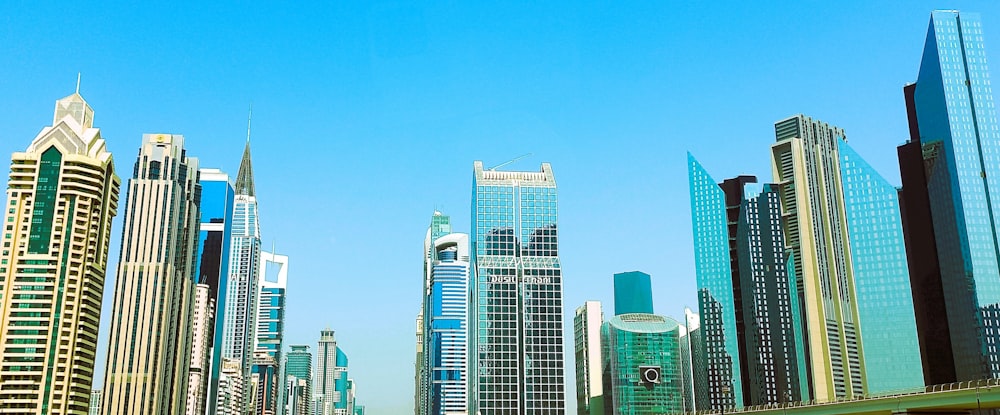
716, 303
881, 278
643, 365
516, 319
954, 116
298, 365
633, 293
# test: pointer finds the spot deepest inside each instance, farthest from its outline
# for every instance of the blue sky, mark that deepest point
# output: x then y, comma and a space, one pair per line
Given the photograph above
368, 116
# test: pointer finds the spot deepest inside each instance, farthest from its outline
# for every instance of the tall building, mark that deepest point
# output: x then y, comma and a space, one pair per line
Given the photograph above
297, 396
217, 198
240, 313
230, 396
698, 396
643, 365
202, 323
767, 323
61, 197
953, 202
298, 365
517, 346
265, 385
716, 300
806, 166
881, 278
271, 314
587, 339
331, 375
95, 402
446, 336
633, 293
150, 338
440, 226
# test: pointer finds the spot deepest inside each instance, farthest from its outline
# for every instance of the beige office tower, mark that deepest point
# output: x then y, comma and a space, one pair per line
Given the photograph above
201, 328
149, 351
806, 164
62, 194
230, 398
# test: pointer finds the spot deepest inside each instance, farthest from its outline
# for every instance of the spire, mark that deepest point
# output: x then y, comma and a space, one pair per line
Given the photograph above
244, 178
78, 82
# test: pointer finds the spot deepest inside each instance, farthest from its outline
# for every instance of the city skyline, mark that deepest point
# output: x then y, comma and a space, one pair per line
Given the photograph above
676, 269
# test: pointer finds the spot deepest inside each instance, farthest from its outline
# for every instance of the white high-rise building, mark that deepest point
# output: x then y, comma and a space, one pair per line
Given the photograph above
62, 194
269, 339
201, 329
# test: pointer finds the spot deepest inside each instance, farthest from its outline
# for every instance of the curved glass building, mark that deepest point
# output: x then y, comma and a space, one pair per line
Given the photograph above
643, 364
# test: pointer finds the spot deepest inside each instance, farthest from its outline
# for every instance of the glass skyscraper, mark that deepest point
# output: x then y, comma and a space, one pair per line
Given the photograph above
61, 198
298, 365
881, 279
643, 365
269, 339
446, 336
955, 200
217, 198
806, 166
516, 332
440, 226
716, 302
633, 293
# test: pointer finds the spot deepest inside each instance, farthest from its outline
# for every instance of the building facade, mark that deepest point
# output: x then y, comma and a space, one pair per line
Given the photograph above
217, 199
517, 341
806, 167
269, 339
587, 340
265, 385
298, 365
240, 313
881, 277
230, 399
446, 338
440, 226
954, 202
150, 338
331, 376
95, 402
716, 300
633, 293
643, 365
202, 324
61, 197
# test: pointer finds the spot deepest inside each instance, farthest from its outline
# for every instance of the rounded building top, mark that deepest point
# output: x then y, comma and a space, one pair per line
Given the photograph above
643, 323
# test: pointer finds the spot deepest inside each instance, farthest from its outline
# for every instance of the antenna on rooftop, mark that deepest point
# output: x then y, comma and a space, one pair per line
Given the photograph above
78, 82
249, 116
508, 162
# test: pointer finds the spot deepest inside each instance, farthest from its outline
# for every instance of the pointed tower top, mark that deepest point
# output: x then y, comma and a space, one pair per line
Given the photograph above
244, 178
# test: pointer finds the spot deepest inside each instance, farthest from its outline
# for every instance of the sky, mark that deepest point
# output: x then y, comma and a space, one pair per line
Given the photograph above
367, 116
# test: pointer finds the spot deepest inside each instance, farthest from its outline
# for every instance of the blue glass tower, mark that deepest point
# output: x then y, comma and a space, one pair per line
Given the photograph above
633, 293
446, 337
881, 279
716, 301
217, 199
953, 121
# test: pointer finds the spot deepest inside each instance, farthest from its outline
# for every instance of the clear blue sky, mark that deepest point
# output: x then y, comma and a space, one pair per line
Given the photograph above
367, 117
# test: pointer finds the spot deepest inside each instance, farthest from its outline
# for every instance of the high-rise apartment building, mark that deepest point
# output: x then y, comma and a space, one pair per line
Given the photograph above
643, 365
587, 340
271, 313
240, 313
217, 199
716, 300
633, 293
806, 167
881, 278
298, 365
150, 338
230, 396
950, 170
61, 197
446, 335
517, 339
202, 323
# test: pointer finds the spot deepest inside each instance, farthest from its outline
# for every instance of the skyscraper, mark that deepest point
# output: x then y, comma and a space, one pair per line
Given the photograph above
716, 301
633, 293
61, 197
265, 386
440, 226
517, 343
150, 338
643, 364
420, 365
446, 335
331, 375
587, 339
271, 314
202, 322
954, 201
881, 278
242, 283
806, 166
217, 199
298, 364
